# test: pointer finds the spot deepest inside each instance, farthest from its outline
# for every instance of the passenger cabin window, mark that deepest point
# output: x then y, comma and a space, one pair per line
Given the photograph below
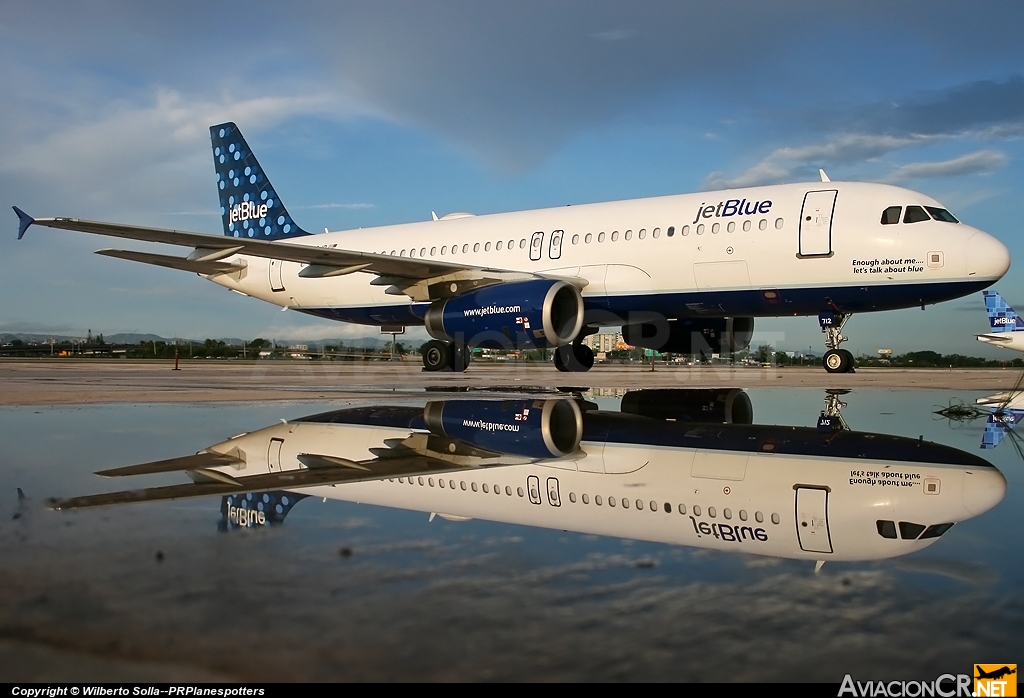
886, 529
915, 214
941, 214
891, 215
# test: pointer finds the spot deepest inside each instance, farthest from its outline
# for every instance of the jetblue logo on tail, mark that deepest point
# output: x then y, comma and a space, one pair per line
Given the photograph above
1001, 316
247, 211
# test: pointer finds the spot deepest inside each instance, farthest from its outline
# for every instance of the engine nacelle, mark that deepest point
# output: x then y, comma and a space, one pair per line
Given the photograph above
692, 336
701, 406
539, 429
534, 314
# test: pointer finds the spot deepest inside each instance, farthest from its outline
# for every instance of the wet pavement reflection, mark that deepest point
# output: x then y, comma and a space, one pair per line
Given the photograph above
762, 534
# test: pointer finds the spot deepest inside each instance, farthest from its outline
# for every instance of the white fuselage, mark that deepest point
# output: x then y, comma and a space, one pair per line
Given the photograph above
692, 254
764, 503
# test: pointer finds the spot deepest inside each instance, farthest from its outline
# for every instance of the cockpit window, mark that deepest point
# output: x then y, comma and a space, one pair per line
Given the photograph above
910, 531
936, 530
891, 215
915, 214
941, 214
886, 529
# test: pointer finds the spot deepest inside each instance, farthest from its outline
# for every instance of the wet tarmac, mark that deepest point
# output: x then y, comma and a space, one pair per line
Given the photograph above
464, 536
84, 381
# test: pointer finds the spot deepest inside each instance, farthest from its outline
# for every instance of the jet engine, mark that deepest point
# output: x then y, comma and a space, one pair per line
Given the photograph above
692, 336
540, 429
534, 314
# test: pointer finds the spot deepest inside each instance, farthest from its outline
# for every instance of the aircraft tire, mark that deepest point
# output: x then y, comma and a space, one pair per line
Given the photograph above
583, 356
837, 361
849, 361
574, 358
436, 355
460, 357
562, 359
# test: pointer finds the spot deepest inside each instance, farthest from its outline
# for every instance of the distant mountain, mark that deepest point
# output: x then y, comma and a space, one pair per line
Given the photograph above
135, 338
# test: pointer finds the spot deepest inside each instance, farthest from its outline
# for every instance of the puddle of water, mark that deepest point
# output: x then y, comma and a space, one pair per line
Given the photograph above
557, 589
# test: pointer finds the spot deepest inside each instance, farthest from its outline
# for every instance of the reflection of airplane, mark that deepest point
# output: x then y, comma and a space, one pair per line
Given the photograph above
681, 274
1007, 408
995, 674
784, 491
1007, 326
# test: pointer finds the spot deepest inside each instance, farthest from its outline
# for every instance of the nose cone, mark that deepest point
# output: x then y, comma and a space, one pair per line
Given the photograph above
983, 489
987, 258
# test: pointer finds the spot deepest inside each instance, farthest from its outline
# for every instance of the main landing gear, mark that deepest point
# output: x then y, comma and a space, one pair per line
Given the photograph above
574, 358
438, 355
836, 360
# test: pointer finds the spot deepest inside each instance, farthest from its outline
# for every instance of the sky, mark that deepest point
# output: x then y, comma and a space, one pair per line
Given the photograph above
367, 114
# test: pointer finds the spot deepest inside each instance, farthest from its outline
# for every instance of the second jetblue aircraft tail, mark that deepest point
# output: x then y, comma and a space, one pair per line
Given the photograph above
1001, 316
249, 206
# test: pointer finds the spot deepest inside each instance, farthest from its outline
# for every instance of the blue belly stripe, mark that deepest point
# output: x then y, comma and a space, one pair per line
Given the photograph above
753, 303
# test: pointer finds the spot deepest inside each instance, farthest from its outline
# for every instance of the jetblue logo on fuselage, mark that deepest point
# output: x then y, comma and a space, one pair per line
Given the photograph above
733, 534
732, 207
247, 210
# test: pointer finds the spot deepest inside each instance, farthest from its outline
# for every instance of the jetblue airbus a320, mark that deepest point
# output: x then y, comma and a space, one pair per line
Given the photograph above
680, 274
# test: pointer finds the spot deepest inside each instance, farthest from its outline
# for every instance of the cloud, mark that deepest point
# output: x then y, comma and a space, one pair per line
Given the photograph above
977, 106
145, 151
980, 162
613, 35
781, 163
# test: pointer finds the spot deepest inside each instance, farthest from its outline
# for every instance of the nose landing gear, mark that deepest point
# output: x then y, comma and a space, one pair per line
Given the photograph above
836, 360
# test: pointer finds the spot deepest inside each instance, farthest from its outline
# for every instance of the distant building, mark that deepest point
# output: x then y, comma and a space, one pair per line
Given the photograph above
605, 341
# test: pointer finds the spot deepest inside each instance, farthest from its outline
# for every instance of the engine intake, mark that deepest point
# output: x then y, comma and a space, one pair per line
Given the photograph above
692, 336
534, 314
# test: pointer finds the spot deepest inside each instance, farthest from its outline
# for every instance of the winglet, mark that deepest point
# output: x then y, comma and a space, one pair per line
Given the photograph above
824, 177
24, 221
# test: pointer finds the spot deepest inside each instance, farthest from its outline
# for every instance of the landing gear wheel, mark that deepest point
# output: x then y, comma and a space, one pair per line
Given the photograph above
574, 358
437, 355
584, 356
849, 360
460, 356
838, 361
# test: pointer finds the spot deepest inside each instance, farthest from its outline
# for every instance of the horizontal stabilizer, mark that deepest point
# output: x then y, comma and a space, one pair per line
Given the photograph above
172, 262
24, 221
171, 465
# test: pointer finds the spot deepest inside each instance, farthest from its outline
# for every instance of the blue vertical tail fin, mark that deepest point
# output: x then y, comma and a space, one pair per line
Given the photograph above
998, 426
1001, 316
249, 206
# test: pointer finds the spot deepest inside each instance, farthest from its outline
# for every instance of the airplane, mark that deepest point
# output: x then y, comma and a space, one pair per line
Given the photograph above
680, 274
683, 467
995, 673
1007, 326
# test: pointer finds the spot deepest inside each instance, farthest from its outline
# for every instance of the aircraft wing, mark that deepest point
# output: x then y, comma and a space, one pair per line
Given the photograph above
421, 279
320, 470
